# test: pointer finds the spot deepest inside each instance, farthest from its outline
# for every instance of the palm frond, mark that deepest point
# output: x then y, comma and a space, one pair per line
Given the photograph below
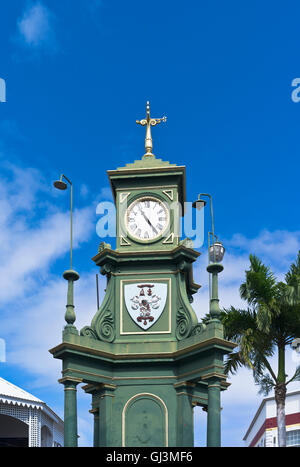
260, 284
293, 274
264, 317
236, 322
265, 383
296, 376
233, 362
291, 294
246, 345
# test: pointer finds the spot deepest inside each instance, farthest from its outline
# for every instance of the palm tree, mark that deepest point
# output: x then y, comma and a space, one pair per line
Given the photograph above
269, 324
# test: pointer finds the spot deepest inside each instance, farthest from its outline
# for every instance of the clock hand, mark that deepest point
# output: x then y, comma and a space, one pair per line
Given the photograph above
149, 223
147, 220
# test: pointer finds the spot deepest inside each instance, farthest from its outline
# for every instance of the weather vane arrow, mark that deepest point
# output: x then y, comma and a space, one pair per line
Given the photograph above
149, 122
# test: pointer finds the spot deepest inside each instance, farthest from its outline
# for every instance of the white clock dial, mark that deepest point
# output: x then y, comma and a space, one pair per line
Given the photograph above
147, 218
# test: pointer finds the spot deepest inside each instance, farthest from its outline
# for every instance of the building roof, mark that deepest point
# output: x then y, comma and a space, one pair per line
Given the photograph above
12, 394
147, 162
149, 166
266, 399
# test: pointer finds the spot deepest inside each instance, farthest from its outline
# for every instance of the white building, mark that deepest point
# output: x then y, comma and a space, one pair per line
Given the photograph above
25, 420
262, 431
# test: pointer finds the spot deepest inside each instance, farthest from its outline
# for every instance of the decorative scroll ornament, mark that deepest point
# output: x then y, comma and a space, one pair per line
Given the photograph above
145, 302
87, 331
103, 326
198, 329
184, 324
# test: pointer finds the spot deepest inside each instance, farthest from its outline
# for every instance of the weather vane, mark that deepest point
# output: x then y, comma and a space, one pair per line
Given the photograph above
149, 122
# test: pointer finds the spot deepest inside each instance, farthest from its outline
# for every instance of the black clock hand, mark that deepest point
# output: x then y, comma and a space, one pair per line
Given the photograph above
147, 220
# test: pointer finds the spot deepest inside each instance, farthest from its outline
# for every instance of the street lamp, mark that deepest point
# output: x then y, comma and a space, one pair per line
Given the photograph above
61, 185
215, 255
70, 275
216, 252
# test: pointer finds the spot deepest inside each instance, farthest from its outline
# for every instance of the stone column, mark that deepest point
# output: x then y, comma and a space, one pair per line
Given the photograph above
185, 425
106, 421
214, 413
70, 412
95, 390
95, 412
102, 396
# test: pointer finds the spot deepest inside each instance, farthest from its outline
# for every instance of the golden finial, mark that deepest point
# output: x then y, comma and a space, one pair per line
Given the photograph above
149, 122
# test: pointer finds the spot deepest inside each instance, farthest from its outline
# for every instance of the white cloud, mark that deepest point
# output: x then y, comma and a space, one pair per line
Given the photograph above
33, 235
29, 244
35, 28
276, 249
40, 322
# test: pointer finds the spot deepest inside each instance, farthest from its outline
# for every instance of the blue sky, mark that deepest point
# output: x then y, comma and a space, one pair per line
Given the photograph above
78, 74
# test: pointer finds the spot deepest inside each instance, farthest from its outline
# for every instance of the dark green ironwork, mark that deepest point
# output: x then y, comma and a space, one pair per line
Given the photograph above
144, 385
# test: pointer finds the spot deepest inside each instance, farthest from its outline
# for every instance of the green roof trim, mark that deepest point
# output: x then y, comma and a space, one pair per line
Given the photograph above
147, 162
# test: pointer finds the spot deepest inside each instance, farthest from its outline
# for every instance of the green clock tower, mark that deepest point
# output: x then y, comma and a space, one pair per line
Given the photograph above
145, 359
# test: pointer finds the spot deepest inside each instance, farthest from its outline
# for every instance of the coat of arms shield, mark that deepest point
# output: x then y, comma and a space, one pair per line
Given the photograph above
145, 302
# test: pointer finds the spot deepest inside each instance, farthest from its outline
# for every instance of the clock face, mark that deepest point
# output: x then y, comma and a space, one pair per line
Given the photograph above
147, 218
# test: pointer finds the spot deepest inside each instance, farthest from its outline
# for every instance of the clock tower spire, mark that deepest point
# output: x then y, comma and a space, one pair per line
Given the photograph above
149, 122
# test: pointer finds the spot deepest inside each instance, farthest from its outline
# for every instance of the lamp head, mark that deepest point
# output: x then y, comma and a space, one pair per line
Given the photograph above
199, 204
60, 185
216, 252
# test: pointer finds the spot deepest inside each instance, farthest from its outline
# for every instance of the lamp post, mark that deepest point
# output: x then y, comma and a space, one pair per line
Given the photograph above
70, 275
70, 404
215, 256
